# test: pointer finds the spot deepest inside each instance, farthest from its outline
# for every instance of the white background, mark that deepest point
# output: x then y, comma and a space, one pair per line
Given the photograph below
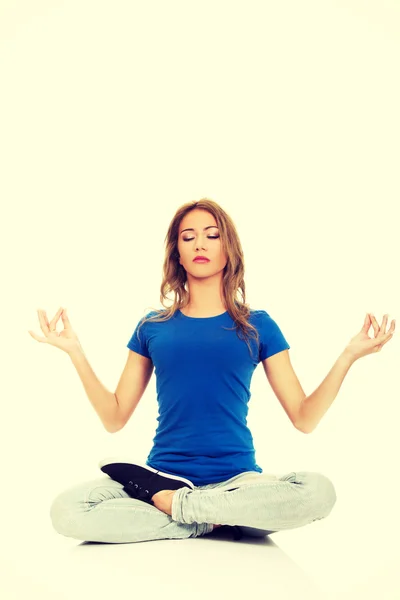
112, 115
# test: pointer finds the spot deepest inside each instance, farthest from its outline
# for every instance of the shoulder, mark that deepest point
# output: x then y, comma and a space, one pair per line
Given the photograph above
152, 317
259, 314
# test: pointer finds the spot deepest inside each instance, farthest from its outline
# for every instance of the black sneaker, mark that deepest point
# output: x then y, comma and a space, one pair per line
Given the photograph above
141, 481
234, 529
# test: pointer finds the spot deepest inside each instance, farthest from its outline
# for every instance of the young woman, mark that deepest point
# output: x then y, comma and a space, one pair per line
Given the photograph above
201, 472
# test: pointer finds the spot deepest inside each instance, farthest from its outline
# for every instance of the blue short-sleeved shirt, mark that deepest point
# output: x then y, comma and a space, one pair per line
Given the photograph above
203, 375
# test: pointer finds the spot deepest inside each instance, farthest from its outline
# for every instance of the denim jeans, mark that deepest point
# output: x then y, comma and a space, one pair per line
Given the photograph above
260, 503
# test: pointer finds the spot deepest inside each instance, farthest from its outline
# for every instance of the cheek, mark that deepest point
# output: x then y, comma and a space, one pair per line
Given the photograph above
223, 255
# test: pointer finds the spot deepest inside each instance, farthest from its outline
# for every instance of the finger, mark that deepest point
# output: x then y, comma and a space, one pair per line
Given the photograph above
36, 337
384, 339
384, 323
54, 320
393, 325
367, 323
375, 325
391, 328
44, 324
379, 346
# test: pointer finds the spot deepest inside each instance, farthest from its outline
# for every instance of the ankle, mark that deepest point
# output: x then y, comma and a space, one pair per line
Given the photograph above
161, 494
163, 500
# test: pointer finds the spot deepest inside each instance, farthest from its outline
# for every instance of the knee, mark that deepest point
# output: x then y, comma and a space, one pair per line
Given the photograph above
324, 493
61, 515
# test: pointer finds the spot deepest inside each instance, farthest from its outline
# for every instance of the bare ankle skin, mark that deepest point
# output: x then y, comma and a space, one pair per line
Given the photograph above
163, 501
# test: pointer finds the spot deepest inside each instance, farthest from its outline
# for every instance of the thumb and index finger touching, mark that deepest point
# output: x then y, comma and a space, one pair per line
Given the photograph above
51, 327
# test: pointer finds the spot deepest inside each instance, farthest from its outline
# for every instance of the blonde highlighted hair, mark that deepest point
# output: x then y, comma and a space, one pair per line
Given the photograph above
174, 275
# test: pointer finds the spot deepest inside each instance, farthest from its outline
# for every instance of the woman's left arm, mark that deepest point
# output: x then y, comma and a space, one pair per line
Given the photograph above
314, 406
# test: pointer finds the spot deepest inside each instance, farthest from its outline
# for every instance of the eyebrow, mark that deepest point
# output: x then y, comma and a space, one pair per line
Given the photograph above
191, 228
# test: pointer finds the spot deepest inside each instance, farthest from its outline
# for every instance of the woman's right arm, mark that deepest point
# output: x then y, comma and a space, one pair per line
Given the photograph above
103, 401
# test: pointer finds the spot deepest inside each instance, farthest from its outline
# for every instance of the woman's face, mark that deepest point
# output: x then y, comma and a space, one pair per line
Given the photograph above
202, 239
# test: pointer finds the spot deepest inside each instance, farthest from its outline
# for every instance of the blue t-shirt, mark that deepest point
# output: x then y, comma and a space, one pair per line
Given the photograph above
203, 375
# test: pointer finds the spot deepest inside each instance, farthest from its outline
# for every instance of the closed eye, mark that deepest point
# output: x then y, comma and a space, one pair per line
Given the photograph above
211, 237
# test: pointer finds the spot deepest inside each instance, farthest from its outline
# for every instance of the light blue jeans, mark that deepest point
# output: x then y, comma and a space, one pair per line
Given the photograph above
101, 511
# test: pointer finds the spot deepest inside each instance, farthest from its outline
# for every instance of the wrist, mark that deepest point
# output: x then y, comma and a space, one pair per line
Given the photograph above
348, 357
76, 351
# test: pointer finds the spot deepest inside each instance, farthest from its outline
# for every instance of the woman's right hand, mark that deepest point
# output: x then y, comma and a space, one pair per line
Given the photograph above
66, 339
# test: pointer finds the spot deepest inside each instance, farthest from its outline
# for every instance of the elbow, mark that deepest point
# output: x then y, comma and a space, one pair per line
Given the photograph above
112, 427
303, 427
111, 430
113, 423
305, 430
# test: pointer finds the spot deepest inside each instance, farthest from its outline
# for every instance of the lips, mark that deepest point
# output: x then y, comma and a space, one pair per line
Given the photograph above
201, 259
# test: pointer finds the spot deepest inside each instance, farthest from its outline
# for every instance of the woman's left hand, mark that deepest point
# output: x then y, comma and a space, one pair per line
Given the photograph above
361, 344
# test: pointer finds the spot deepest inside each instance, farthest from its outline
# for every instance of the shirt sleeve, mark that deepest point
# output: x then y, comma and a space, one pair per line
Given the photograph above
272, 339
139, 345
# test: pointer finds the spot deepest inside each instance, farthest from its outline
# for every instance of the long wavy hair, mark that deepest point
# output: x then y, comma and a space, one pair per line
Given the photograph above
174, 275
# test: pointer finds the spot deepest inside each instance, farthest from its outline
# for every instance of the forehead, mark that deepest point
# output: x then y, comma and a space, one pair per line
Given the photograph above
198, 218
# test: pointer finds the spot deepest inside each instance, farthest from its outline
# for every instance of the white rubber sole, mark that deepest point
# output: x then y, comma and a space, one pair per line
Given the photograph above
117, 459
